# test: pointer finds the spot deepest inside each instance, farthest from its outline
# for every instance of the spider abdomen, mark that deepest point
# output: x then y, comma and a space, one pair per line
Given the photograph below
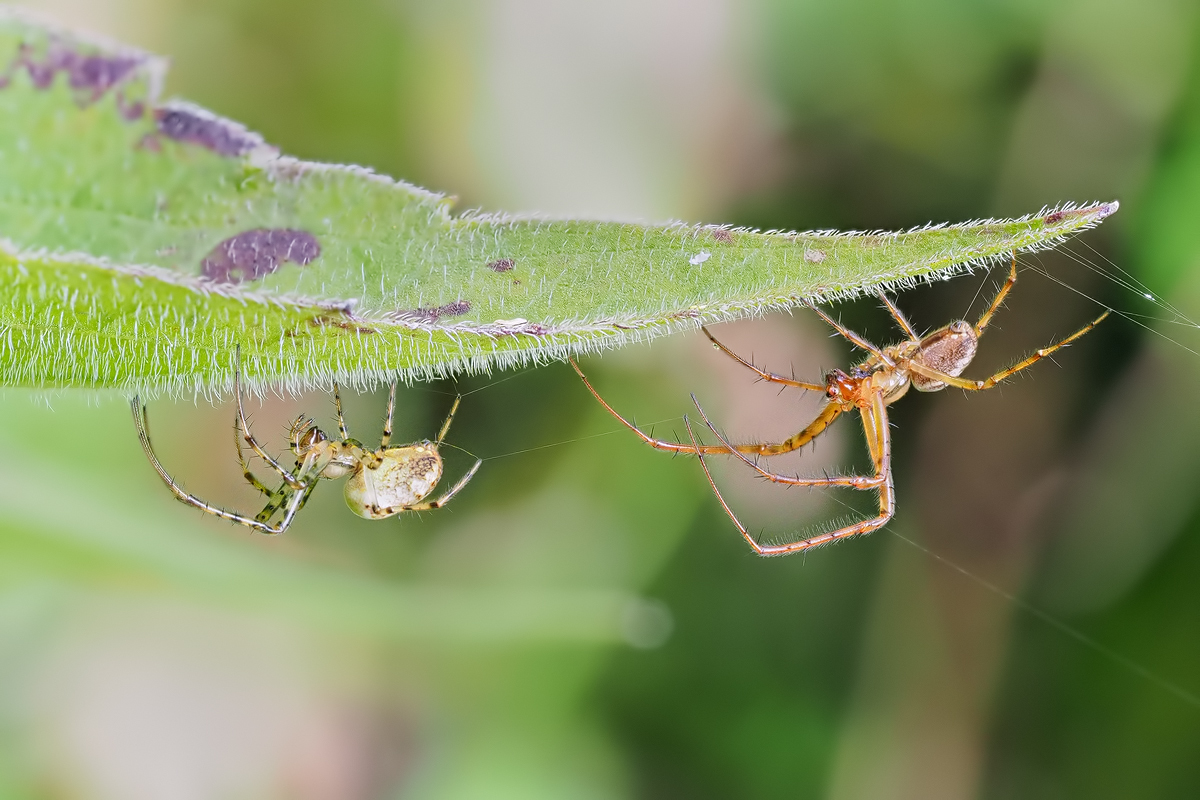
949, 350
403, 476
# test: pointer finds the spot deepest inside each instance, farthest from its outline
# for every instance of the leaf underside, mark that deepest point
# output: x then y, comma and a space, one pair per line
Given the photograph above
144, 243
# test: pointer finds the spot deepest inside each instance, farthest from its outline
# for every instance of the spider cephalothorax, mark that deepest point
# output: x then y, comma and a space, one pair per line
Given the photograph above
928, 363
946, 351
382, 482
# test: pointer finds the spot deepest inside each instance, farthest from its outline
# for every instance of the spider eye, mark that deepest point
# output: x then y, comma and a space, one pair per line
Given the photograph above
312, 436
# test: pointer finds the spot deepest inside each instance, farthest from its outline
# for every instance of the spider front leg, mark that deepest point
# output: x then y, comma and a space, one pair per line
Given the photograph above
766, 376
879, 443
141, 421
818, 426
853, 337
248, 437
901, 320
250, 477
1009, 283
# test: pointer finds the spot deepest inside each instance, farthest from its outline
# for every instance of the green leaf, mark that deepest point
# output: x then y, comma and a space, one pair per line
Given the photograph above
145, 242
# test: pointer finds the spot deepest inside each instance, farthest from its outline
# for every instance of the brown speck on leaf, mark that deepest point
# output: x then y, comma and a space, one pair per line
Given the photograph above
192, 125
501, 265
325, 320
150, 142
1055, 217
256, 253
430, 315
722, 235
90, 75
455, 309
814, 256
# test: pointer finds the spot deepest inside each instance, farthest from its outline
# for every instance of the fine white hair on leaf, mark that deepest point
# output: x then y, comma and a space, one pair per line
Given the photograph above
392, 283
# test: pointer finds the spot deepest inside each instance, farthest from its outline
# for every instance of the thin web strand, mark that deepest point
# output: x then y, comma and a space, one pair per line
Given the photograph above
1063, 627
1124, 315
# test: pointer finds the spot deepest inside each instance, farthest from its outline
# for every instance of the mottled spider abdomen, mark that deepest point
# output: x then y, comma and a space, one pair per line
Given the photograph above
402, 477
949, 350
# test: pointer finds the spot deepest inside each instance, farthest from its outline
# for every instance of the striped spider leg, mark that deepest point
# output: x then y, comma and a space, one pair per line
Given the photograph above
928, 363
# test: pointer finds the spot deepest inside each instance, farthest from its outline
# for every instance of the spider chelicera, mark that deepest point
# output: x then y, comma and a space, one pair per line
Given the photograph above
382, 482
929, 363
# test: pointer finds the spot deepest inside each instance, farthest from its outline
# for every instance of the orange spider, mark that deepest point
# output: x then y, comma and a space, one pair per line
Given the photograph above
930, 363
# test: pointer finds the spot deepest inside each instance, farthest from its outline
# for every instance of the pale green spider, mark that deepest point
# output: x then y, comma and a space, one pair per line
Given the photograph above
382, 482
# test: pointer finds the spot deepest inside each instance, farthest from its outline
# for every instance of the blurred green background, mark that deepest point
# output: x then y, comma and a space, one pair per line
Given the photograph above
583, 621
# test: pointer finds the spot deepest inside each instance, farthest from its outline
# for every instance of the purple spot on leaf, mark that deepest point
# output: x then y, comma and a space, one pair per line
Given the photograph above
1054, 217
502, 265
256, 253
89, 75
185, 123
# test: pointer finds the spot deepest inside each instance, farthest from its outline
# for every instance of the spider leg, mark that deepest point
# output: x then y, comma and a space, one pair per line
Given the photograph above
853, 337
142, 423
986, 317
307, 493
441, 501
249, 437
825, 418
1004, 374
879, 443
309, 472
849, 481
766, 376
250, 477
337, 404
387, 422
898, 315
828, 414
446, 425
275, 501
297, 502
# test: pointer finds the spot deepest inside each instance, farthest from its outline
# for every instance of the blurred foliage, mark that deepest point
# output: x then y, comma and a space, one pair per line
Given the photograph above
148, 651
